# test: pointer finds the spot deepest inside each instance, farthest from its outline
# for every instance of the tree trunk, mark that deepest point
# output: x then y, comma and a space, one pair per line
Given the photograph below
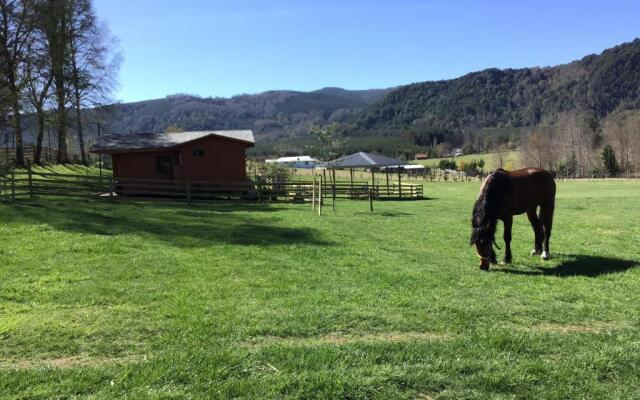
63, 156
37, 157
83, 155
17, 131
76, 92
17, 124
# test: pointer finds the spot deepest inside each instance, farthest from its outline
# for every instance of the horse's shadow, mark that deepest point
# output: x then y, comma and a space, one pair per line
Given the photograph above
579, 265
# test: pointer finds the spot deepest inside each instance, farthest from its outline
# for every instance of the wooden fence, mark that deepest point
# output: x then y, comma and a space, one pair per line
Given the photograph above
29, 184
8, 155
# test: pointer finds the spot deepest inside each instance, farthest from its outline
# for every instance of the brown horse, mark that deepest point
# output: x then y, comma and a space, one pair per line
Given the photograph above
505, 194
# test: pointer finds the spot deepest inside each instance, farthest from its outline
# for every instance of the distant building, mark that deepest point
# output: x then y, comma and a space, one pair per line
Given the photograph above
458, 152
295, 162
214, 156
422, 156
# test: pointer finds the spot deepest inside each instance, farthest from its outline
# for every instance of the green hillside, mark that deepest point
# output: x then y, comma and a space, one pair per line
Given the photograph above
273, 115
599, 84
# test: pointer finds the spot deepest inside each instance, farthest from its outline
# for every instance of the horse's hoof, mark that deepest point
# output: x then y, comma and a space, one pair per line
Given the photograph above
484, 267
546, 256
506, 261
535, 252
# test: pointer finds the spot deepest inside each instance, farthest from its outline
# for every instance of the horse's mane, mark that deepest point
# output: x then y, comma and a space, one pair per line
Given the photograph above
487, 208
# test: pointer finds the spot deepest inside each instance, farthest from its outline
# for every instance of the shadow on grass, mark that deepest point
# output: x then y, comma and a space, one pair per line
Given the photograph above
579, 265
177, 225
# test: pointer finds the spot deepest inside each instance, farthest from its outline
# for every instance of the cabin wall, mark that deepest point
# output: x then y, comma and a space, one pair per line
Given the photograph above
221, 160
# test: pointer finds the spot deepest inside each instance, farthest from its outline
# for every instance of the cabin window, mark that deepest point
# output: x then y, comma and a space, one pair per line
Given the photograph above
198, 153
163, 164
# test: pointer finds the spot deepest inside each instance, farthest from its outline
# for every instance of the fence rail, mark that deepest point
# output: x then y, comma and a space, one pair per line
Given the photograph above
27, 184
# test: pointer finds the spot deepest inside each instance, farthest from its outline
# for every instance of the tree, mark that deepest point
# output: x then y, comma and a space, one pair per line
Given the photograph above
329, 141
579, 137
53, 19
92, 63
38, 79
537, 150
173, 129
500, 155
15, 34
447, 164
608, 157
619, 132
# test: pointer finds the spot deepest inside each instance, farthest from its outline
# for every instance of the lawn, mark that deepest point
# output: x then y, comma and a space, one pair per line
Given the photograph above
161, 300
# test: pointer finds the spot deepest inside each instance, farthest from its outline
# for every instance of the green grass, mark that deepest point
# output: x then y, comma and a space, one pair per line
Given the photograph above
160, 300
511, 160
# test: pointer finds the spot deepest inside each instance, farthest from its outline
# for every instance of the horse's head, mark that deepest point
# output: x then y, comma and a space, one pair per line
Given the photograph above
483, 235
484, 249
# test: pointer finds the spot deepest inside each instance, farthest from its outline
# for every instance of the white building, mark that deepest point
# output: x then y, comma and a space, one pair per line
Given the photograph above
413, 169
295, 162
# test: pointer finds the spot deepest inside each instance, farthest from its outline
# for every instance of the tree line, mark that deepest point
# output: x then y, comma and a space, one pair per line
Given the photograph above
56, 59
580, 145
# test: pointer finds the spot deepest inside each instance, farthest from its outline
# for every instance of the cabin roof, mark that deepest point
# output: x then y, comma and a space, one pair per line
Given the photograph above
146, 141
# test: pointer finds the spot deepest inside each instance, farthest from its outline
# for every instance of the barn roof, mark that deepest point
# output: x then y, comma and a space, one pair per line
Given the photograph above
363, 160
144, 141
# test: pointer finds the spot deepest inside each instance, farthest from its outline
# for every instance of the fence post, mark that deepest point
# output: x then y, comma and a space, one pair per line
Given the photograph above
189, 192
371, 200
260, 190
320, 196
333, 191
111, 187
30, 180
313, 193
13, 185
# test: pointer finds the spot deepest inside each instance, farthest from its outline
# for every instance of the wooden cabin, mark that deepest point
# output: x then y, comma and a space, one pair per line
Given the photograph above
204, 156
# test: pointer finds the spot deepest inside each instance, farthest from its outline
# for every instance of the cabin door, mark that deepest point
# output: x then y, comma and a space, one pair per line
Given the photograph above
164, 166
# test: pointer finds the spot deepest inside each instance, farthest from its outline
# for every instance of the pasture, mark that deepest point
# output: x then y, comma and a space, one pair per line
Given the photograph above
154, 300
511, 160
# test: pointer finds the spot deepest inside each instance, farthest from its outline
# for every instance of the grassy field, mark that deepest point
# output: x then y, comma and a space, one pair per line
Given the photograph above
511, 160
158, 300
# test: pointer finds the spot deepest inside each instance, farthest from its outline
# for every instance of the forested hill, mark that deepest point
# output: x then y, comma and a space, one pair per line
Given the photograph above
272, 115
513, 97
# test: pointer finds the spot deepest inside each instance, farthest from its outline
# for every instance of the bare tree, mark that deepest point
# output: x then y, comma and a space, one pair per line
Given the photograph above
538, 150
500, 156
15, 30
619, 132
578, 137
53, 19
93, 63
38, 83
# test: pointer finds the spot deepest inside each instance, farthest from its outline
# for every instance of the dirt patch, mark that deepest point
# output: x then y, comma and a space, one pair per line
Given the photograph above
343, 338
597, 327
81, 361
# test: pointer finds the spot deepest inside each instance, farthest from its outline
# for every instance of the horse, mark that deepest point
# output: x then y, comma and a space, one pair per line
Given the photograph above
505, 194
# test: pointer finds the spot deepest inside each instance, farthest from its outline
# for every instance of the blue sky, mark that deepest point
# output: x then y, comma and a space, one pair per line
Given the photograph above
224, 48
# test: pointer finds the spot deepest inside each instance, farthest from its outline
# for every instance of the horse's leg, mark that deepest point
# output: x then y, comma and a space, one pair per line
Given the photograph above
508, 222
537, 231
546, 215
